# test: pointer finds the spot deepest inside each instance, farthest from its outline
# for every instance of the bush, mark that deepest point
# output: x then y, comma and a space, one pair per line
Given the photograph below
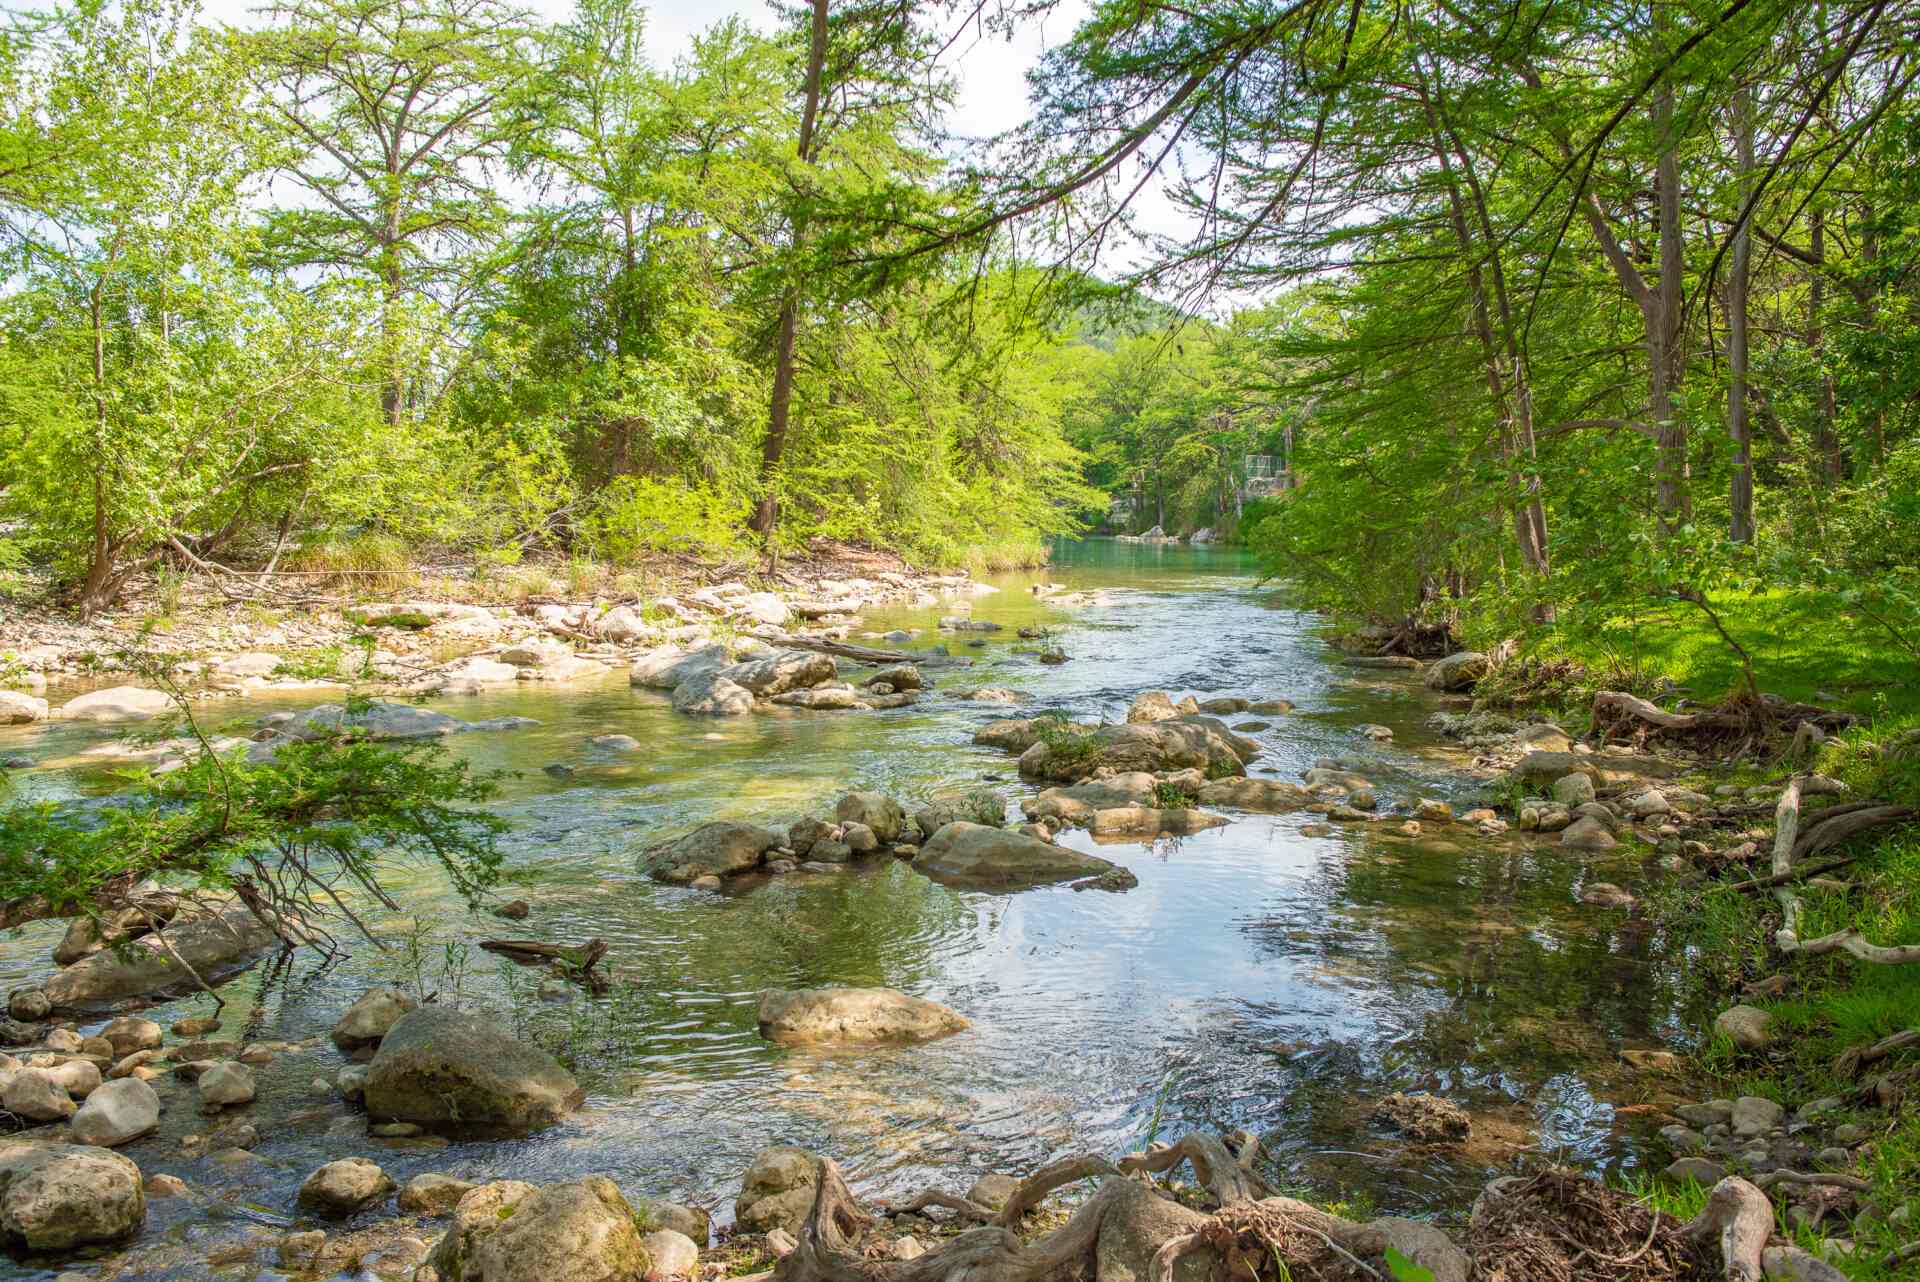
636, 515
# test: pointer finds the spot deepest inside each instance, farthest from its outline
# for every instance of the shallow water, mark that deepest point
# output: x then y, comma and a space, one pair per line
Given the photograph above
1255, 978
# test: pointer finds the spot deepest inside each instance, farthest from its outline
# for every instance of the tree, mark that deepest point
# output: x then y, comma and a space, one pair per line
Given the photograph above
395, 108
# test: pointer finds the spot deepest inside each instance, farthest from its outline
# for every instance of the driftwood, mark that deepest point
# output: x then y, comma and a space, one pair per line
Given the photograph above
839, 649
576, 957
1827, 830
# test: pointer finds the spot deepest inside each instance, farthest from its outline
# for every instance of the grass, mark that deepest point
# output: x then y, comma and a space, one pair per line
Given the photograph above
1805, 646
1000, 556
1835, 1003
367, 563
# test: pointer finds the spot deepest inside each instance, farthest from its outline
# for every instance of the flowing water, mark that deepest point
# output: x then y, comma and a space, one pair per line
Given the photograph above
1257, 977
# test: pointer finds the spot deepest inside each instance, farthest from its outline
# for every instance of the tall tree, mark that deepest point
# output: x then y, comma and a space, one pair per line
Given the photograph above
395, 107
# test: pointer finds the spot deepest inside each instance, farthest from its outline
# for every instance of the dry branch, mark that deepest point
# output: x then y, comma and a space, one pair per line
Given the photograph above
1856, 1058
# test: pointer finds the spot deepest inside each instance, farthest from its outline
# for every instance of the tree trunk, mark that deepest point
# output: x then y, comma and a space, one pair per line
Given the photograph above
96, 591
1830, 462
779, 410
1739, 427
1663, 328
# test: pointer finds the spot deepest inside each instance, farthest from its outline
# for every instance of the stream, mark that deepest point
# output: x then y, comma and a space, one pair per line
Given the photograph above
1257, 977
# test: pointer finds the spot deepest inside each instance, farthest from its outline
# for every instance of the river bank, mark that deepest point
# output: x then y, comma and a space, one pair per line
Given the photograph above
1495, 978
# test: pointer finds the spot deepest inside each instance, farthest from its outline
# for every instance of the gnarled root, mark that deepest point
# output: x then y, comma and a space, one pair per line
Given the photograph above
1740, 1217
1228, 1177
827, 1247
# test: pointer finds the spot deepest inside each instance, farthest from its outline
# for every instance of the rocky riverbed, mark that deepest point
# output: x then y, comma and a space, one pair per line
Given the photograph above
1297, 919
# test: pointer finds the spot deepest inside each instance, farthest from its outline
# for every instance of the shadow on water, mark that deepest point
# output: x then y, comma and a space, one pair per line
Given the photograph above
1255, 978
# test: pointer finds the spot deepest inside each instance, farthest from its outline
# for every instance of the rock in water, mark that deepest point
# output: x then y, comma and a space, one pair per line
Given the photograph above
877, 811
54, 1199
433, 1194
1426, 1118
982, 805
130, 1034
120, 703
35, 1095
339, 1189
366, 1021
117, 1113
973, 855
720, 849
777, 1191
711, 694
217, 947
578, 1232
781, 672
225, 1084
458, 1073
847, 1015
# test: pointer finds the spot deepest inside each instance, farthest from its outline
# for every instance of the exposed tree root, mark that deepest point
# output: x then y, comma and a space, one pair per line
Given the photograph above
1227, 1177
1752, 725
1828, 829
1858, 1057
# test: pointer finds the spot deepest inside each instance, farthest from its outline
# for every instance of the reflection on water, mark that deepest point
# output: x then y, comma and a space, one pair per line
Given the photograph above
1255, 977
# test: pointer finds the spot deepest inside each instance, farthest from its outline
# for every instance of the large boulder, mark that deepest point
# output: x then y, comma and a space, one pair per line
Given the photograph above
339, 1189
117, 1113
667, 667
712, 694
366, 1021
582, 1231
1011, 735
57, 1198
782, 671
1268, 796
1136, 822
213, 946
777, 1191
378, 721
1458, 671
974, 856
982, 805
18, 709
119, 703
876, 810
719, 849
1538, 769
1183, 743
1158, 705
458, 1073
35, 1095
1076, 804
147, 909
816, 1016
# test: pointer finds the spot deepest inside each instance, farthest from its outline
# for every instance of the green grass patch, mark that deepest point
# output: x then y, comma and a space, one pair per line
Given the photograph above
1804, 647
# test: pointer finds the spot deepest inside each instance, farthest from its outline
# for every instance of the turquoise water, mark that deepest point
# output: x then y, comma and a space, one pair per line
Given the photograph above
1256, 977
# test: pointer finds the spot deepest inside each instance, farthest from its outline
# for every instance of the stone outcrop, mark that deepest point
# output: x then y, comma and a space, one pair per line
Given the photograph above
216, 946
836, 1016
974, 856
459, 1074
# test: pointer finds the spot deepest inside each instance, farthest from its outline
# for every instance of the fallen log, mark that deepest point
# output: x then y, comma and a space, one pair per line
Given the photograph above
839, 649
575, 957
1856, 1058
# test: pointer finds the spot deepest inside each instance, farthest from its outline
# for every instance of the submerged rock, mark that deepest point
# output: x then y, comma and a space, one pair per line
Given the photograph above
852, 1015
986, 806
1150, 821
118, 703
458, 1073
1426, 1118
719, 849
969, 855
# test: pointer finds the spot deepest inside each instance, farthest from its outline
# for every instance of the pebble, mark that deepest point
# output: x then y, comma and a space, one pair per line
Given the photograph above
1697, 1169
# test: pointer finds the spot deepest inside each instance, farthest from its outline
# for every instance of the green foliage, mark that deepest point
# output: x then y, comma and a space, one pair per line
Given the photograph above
636, 515
1405, 1270
1169, 796
323, 814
